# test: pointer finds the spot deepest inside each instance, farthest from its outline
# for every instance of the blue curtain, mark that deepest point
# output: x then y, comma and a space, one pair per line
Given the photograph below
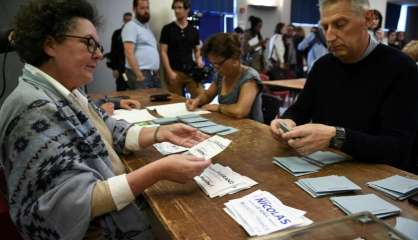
393, 11
224, 6
304, 11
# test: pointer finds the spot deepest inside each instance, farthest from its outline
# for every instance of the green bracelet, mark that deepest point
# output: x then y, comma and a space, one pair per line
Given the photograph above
155, 134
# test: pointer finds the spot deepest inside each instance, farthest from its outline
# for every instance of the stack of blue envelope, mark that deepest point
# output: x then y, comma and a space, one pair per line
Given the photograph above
302, 165
369, 202
329, 185
397, 187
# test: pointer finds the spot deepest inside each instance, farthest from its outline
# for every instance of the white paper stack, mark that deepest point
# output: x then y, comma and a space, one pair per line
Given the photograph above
397, 187
133, 115
166, 148
175, 110
210, 147
261, 213
329, 185
369, 202
217, 181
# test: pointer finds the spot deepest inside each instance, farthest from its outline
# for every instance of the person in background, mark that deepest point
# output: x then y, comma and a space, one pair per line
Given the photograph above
290, 53
376, 23
238, 87
275, 55
180, 51
380, 36
315, 45
400, 39
254, 44
357, 79
141, 50
392, 39
300, 55
65, 179
116, 57
411, 49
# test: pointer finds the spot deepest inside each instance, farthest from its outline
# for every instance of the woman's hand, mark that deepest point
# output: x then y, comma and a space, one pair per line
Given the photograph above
108, 108
129, 104
192, 104
180, 134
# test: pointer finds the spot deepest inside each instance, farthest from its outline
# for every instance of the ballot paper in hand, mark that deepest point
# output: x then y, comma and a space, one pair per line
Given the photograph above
261, 213
210, 147
133, 115
166, 148
369, 202
328, 185
253, 41
217, 181
396, 186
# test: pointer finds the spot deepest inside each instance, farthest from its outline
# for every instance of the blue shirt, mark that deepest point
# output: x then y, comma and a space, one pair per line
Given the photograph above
146, 50
317, 50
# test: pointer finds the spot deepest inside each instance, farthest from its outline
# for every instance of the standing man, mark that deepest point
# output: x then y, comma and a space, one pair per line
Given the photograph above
140, 45
179, 40
354, 99
116, 57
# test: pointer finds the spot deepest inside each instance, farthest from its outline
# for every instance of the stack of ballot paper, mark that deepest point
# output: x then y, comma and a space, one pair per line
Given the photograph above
217, 181
175, 110
299, 166
210, 147
369, 202
329, 185
166, 148
261, 213
133, 115
295, 165
397, 187
408, 227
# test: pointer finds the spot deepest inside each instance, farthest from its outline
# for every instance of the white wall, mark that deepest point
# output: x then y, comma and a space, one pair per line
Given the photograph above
381, 6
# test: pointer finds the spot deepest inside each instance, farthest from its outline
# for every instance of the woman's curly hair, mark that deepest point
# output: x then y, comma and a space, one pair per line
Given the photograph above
39, 19
226, 45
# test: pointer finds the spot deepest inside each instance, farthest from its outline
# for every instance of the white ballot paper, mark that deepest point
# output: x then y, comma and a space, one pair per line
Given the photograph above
261, 213
218, 180
253, 41
133, 115
210, 147
166, 148
175, 110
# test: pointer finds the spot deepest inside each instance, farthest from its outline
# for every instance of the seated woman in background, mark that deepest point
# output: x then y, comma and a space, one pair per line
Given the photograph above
59, 152
238, 87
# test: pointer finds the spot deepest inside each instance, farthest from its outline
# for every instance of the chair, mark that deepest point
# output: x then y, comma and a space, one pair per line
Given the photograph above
8, 229
270, 107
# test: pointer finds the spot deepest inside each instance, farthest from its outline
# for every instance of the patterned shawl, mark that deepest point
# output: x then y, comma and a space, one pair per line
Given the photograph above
52, 157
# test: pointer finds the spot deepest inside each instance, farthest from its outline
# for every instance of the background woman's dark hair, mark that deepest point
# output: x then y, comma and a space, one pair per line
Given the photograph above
225, 45
379, 16
279, 28
186, 4
254, 21
39, 19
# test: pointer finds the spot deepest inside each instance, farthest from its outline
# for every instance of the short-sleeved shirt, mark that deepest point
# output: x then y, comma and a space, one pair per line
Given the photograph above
181, 43
146, 50
249, 74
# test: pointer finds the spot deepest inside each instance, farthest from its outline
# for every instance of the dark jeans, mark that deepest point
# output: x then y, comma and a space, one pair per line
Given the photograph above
152, 79
121, 84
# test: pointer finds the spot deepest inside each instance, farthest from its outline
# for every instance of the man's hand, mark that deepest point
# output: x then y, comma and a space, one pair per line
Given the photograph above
309, 138
172, 77
180, 134
115, 74
129, 104
139, 76
277, 132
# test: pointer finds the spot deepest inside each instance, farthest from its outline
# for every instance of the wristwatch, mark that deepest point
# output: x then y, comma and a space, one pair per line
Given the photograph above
338, 140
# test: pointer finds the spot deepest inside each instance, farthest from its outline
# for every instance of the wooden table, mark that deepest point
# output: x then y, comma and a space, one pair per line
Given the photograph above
289, 84
186, 212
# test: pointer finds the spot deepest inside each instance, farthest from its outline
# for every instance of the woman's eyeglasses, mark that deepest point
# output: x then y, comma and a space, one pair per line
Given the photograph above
219, 64
90, 42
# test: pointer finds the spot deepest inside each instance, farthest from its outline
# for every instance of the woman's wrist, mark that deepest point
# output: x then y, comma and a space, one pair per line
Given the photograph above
155, 135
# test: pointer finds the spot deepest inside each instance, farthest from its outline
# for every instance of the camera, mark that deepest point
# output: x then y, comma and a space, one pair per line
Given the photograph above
200, 74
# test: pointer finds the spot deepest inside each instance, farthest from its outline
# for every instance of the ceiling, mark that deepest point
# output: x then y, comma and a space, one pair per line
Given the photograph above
409, 2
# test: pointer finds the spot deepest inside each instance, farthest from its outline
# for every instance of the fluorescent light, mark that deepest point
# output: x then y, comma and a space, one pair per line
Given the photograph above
402, 18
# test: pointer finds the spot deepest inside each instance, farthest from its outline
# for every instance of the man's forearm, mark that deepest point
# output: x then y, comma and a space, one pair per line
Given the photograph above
133, 63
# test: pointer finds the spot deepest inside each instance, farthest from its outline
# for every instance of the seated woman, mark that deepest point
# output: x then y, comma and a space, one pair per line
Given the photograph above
59, 151
238, 87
